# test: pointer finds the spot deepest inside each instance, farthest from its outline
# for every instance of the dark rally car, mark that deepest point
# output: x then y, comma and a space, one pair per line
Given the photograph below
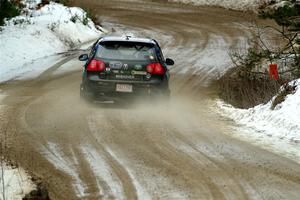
120, 67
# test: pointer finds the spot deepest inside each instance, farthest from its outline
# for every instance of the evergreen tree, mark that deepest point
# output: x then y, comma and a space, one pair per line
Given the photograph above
8, 9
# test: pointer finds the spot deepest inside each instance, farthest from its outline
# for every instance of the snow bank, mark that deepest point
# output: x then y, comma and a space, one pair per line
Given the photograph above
40, 33
280, 125
16, 183
229, 4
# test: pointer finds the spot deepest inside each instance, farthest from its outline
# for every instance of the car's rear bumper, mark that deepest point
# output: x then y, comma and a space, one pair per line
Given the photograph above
107, 88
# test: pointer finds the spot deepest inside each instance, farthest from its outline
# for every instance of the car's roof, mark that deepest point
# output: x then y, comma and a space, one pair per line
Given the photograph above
126, 39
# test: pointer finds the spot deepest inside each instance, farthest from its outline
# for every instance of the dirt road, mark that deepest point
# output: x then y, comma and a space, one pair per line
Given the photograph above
149, 151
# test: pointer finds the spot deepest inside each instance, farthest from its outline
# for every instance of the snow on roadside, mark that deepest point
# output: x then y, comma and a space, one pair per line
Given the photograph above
229, 4
279, 128
16, 181
45, 32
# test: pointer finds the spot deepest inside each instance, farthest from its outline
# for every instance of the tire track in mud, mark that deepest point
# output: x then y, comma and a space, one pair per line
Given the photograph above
213, 154
19, 100
108, 129
193, 153
161, 152
119, 170
106, 180
23, 150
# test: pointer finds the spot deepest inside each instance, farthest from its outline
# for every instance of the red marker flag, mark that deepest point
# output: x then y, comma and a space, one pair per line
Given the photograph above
273, 71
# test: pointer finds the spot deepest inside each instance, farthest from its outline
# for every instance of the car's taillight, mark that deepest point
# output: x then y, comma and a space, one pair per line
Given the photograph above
155, 68
96, 66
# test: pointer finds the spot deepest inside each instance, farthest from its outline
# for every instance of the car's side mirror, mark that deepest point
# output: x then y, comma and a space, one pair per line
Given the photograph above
169, 61
83, 57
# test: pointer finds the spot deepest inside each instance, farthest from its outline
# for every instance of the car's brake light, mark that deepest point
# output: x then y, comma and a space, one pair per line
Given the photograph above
155, 68
96, 66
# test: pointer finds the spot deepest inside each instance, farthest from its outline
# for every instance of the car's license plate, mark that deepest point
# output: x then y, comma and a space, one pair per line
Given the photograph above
124, 88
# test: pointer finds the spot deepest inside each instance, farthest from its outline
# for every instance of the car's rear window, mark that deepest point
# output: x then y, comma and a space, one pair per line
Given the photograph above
138, 51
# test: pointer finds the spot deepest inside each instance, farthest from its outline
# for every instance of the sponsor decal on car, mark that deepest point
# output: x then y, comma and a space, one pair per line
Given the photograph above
115, 65
138, 67
124, 76
138, 73
125, 67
